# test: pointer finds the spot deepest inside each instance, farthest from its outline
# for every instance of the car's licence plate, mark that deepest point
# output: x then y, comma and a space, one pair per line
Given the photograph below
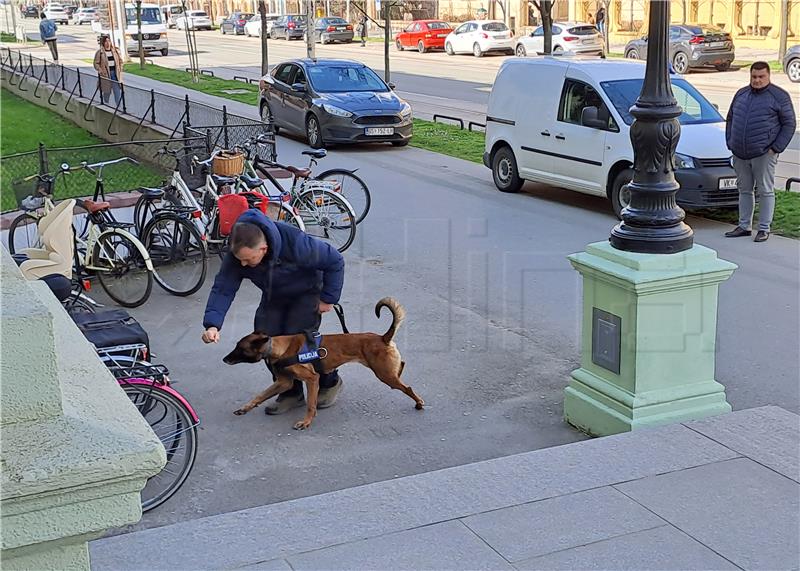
501, 36
717, 44
378, 131
341, 28
441, 36
727, 183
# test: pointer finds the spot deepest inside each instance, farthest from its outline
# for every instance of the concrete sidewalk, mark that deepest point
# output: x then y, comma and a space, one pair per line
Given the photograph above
721, 493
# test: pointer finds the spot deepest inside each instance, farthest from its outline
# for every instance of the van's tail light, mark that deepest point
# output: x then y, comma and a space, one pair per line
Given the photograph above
571, 38
330, 29
484, 36
697, 40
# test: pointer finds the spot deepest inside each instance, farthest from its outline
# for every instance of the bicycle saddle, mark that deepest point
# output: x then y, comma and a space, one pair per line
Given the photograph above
299, 173
152, 193
222, 180
251, 182
317, 153
91, 206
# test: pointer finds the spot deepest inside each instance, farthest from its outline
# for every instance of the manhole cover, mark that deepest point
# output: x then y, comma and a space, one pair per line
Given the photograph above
235, 91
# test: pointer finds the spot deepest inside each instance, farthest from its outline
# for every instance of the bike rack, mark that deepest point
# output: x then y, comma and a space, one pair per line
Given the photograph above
476, 124
38, 83
55, 88
91, 101
23, 78
449, 118
13, 74
790, 181
69, 99
207, 72
241, 78
114, 116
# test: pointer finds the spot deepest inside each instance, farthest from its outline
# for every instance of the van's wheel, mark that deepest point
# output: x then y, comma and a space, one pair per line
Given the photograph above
476, 50
521, 51
504, 171
680, 63
619, 195
449, 49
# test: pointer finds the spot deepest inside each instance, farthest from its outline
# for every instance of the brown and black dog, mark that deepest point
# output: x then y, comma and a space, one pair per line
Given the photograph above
378, 352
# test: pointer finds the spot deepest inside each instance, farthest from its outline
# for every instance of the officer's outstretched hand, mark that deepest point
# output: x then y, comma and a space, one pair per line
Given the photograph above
211, 335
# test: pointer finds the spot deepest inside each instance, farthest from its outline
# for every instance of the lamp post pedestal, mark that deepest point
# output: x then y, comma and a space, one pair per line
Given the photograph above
649, 339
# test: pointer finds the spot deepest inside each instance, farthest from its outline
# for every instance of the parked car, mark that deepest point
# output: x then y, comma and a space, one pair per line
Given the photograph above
329, 30
57, 14
84, 15
691, 47
194, 20
423, 35
791, 63
579, 136
479, 37
253, 27
235, 23
334, 101
170, 12
292, 26
30, 12
568, 37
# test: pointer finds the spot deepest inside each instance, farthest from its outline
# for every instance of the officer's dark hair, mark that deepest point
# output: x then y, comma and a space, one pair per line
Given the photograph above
246, 235
760, 65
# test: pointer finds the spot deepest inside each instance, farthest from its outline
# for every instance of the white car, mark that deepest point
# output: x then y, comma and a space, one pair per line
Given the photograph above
568, 37
253, 26
194, 20
478, 37
566, 122
84, 15
57, 13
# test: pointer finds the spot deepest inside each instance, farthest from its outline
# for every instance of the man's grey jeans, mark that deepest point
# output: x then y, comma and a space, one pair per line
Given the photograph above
757, 173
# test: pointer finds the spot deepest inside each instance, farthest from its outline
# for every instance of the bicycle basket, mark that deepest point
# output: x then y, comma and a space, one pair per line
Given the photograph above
228, 163
30, 193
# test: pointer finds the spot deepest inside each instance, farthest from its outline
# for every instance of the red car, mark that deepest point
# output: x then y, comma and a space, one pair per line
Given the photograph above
423, 35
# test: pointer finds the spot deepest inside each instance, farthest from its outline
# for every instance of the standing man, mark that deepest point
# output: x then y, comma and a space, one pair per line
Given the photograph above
47, 32
601, 19
362, 29
760, 125
108, 64
300, 278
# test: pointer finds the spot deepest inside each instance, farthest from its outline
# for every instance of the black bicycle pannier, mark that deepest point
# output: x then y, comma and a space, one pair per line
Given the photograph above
111, 328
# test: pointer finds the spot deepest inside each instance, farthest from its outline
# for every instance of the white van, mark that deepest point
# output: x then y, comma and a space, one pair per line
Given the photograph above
154, 30
171, 12
565, 121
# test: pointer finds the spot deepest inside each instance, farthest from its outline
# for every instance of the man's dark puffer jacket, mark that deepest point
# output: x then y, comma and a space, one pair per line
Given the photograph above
759, 120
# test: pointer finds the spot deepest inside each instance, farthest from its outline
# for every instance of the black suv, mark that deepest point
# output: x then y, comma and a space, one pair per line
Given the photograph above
289, 27
691, 46
30, 12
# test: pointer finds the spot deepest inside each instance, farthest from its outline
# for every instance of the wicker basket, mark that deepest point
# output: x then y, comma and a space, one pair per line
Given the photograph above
228, 163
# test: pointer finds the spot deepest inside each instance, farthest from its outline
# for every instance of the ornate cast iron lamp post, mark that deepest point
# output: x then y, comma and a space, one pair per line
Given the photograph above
652, 223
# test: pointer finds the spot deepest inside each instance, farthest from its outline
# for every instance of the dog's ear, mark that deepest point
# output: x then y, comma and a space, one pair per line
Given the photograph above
258, 343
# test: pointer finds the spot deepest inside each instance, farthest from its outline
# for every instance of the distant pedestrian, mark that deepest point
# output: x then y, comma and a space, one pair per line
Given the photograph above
600, 19
590, 19
108, 64
362, 30
760, 125
47, 31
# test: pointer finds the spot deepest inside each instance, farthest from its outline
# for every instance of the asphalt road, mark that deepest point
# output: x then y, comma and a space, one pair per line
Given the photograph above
492, 334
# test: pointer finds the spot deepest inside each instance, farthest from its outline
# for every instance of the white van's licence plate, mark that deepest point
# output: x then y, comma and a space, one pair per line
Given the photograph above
727, 183
378, 131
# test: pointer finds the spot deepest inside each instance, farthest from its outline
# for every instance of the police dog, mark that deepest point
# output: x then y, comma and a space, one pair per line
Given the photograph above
378, 352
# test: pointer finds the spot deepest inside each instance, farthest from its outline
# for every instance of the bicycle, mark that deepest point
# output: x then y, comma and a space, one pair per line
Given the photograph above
103, 247
326, 214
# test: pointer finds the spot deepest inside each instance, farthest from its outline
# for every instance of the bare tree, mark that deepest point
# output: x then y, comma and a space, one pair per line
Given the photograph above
545, 8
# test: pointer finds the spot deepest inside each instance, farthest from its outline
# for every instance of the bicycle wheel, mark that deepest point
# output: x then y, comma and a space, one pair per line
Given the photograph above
23, 233
175, 427
178, 253
145, 208
352, 188
282, 212
121, 269
327, 216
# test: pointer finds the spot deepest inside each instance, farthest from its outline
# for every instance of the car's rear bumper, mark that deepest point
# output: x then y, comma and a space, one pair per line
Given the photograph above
292, 34
700, 188
698, 59
337, 36
497, 45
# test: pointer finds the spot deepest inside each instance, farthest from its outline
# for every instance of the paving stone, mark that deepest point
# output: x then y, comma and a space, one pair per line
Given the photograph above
747, 513
443, 546
660, 549
529, 530
277, 530
769, 435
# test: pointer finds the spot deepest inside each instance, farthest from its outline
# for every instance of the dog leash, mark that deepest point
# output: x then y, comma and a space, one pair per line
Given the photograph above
340, 315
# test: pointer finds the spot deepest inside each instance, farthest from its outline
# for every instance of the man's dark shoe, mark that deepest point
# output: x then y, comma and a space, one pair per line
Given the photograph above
327, 397
761, 236
737, 232
285, 403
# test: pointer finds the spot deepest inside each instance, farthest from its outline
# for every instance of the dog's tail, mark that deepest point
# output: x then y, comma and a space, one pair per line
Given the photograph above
398, 315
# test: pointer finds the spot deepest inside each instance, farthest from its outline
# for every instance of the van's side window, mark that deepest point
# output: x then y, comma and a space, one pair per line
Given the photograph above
578, 95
